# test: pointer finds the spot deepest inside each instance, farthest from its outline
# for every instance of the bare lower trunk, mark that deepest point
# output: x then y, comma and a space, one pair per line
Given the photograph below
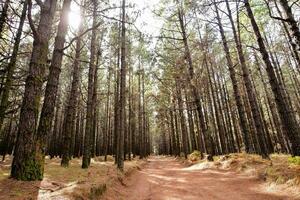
47, 113
11, 65
27, 164
121, 133
249, 87
71, 106
86, 160
285, 112
190, 79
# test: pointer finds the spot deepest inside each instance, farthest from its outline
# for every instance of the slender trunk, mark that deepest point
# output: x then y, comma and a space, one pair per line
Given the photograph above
86, 159
140, 112
247, 81
121, 133
107, 120
182, 119
12, 64
95, 107
144, 116
176, 128
190, 122
3, 16
285, 112
71, 105
190, 79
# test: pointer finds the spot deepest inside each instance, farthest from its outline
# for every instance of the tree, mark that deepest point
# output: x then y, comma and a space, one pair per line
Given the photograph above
12, 64
3, 16
90, 109
121, 133
47, 113
28, 162
249, 88
286, 115
291, 20
70, 118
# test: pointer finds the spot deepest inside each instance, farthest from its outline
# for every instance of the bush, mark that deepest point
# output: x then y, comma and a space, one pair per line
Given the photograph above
195, 156
294, 160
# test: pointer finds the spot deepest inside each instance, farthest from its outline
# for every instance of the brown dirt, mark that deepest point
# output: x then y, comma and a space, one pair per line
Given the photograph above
64, 183
164, 178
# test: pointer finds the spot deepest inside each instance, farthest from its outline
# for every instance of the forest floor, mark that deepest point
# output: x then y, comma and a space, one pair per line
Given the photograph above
235, 177
230, 177
65, 183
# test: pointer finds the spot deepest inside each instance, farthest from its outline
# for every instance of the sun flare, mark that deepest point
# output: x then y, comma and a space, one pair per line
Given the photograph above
74, 17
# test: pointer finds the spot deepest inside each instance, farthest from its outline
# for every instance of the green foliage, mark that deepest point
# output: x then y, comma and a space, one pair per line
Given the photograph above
195, 156
32, 171
294, 160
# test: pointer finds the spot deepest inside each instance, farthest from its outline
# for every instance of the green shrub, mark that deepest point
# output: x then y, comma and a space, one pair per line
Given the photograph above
294, 160
195, 156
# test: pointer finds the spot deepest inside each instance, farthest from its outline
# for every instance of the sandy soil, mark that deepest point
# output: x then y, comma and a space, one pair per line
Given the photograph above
64, 183
164, 178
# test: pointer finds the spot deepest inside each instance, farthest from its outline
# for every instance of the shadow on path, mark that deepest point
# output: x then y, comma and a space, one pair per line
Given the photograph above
163, 178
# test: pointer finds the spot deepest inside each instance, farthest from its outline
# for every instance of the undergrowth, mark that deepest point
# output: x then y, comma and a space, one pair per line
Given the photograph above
294, 160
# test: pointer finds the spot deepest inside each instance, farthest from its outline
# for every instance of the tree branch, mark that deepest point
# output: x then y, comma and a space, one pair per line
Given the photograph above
39, 2
273, 17
31, 24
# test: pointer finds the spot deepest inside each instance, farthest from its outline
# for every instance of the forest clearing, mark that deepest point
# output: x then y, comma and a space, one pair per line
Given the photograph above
160, 99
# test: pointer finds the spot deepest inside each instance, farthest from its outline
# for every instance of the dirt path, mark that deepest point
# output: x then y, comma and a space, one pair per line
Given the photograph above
166, 179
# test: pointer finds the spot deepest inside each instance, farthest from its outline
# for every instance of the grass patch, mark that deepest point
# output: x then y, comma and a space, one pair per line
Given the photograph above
60, 182
195, 156
294, 160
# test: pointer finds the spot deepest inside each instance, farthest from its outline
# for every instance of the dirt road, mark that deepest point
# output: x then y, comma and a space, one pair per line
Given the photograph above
163, 178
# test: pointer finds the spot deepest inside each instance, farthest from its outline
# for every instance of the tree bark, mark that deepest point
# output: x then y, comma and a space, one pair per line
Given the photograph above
285, 112
28, 162
72, 103
247, 81
86, 159
47, 113
3, 16
190, 79
121, 133
12, 64
291, 21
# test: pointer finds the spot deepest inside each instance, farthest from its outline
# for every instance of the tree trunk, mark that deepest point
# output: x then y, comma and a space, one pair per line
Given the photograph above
47, 113
86, 159
121, 133
291, 21
285, 112
107, 120
71, 105
3, 16
249, 87
190, 80
140, 112
12, 64
182, 119
27, 164
290, 39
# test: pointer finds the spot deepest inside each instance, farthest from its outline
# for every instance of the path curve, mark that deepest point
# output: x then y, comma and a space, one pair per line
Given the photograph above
164, 178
